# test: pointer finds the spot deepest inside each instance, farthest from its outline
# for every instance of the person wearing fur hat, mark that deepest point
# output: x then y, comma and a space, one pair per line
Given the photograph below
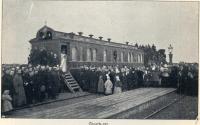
108, 86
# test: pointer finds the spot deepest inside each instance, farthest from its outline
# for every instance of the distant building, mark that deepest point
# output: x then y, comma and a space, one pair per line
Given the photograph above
83, 50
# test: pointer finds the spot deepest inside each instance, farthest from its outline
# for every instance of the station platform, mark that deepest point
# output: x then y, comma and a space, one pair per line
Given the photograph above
106, 106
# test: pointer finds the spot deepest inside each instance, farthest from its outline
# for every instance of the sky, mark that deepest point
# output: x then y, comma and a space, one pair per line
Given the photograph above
159, 23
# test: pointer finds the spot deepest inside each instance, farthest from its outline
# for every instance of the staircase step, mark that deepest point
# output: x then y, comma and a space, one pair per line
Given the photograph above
68, 77
72, 82
76, 87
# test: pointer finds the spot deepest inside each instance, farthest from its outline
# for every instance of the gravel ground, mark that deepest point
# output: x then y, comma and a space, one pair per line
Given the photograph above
187, 108
149, 110
19, 113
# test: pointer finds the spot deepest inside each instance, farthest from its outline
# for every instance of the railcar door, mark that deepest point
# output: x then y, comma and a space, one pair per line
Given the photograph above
63, 63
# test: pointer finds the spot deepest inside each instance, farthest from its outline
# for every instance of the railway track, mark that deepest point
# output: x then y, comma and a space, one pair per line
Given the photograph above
52, 101
147, 113
163, 108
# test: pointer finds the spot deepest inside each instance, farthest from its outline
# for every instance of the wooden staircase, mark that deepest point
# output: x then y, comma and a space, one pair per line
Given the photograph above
71, 83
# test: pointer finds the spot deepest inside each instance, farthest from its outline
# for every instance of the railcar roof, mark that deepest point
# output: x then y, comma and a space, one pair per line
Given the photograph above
64, 35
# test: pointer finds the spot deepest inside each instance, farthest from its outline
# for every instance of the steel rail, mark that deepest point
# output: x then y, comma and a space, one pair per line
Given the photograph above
164, 107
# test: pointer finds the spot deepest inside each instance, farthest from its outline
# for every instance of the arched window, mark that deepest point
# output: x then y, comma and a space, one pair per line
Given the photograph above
94, 55
134, 58
115, 56
41, 35
122, 56
104, 55
141, 58
49, 35
89, 55
138, 58
81, 54
74, 54
129, 57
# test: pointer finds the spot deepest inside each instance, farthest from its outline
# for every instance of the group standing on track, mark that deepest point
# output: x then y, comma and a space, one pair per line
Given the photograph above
26, 84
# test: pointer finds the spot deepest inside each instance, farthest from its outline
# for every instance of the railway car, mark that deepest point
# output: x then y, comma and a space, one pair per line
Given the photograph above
87, 50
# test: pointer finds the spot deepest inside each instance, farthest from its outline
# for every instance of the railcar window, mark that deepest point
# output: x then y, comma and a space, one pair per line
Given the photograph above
89, 55
104, 55
74, 54
115, 56
94, 54
129, 57
122, 56
81, 53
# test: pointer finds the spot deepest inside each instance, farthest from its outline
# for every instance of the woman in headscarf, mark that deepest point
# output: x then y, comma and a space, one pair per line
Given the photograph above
19, 97
108, 86
118, 86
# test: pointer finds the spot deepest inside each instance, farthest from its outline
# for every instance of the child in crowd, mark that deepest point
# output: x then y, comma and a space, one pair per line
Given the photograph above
6, 102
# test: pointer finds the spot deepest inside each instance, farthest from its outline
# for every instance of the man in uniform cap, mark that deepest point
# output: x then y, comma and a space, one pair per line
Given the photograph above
36, 85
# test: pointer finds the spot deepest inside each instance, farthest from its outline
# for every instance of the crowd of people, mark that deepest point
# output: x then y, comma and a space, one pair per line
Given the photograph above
28, 84
93, 79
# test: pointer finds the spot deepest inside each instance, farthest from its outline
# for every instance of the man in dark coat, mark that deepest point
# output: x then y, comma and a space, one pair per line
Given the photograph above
93, 80
123, 78
19, 98
51, 85
140, 78
173, 77
36, 86
56, 80
7, 82
27, 86
135, 79
129, 80
31, 87
55, 60
43, 83
81, 78
112, 76
85, 79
